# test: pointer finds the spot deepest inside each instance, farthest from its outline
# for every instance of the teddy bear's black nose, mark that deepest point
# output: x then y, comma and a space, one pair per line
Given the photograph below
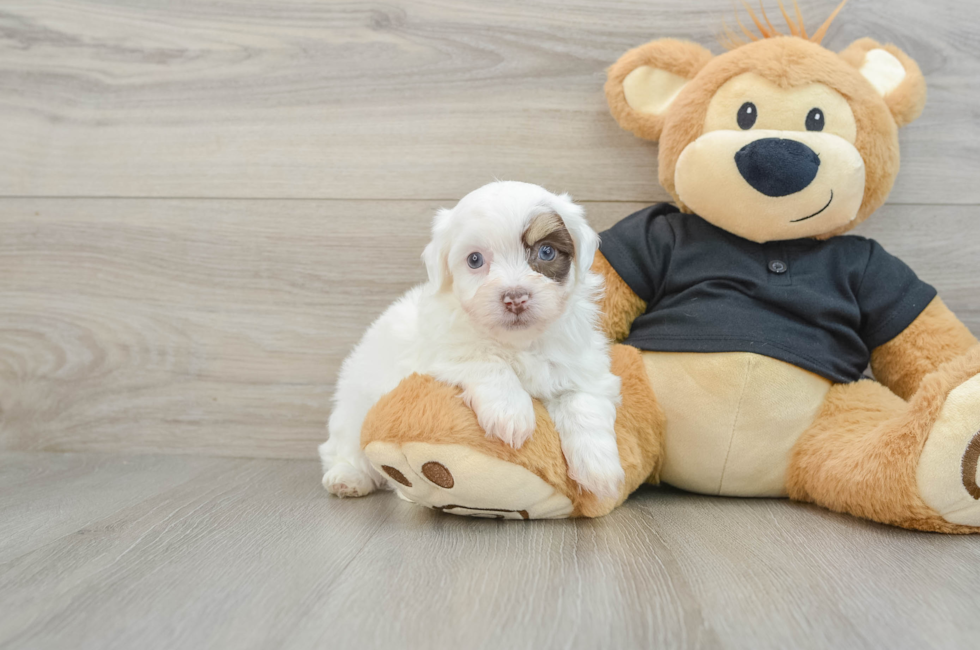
777, 167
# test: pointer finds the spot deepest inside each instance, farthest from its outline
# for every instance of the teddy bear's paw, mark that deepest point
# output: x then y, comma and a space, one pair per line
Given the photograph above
947, 474
461, 481
345, 480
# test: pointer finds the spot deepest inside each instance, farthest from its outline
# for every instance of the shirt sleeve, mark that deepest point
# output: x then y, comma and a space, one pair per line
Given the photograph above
891, 296
638, 248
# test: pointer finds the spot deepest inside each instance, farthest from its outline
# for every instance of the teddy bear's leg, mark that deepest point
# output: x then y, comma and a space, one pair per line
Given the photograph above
912, 464
427, 442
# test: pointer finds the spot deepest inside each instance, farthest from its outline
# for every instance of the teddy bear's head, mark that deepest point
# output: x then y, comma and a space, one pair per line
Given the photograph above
779, 138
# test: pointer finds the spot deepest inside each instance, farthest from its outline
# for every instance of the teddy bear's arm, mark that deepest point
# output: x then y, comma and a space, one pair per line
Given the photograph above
934, 337
620, 306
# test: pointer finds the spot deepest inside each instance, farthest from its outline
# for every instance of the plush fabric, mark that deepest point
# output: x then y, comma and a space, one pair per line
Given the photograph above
932, 339
621, 306
732, 419
862, 452
790, 61
786, 61
953, 444
902, 449
679, 58
423, 411
907, 100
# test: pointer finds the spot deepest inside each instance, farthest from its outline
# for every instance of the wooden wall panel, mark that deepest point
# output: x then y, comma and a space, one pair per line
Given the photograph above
403, 99
218, 326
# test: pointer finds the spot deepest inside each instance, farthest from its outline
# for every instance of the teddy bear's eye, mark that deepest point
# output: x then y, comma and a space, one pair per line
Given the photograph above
747, 116
814, 120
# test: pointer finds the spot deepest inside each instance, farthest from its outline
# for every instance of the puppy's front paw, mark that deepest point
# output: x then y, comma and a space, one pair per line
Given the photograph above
594, 464
345, 480
507, 416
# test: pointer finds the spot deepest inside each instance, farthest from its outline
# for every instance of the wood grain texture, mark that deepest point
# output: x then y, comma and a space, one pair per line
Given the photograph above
408, 99
44, 498
214, 325
218, 327
254, 554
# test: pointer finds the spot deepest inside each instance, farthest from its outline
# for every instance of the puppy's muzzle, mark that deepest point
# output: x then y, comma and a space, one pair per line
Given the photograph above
515, 300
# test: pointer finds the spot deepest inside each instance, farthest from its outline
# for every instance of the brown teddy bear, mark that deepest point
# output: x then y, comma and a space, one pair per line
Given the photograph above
749, 315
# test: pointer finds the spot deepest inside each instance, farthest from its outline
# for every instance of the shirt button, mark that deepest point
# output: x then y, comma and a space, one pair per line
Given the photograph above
778, 266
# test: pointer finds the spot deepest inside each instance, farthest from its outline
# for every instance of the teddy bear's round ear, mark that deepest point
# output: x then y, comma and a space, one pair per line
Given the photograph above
893, 74
642, 84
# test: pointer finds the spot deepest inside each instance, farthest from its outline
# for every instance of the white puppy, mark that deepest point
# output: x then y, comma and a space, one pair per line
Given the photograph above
509, 313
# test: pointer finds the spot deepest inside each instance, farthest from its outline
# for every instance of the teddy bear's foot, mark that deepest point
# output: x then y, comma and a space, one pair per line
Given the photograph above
462, 481
947, 472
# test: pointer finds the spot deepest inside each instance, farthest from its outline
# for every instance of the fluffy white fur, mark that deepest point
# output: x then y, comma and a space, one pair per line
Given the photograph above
457, 328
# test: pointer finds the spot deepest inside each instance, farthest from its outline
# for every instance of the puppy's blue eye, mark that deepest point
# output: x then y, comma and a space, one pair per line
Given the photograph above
546, 253
475, 260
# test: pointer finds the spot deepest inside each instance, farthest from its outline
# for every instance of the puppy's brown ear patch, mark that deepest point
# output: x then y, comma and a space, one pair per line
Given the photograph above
547, 231
541, 226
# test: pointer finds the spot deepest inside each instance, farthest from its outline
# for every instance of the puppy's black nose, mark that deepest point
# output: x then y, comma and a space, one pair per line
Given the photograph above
515, 300
777, 167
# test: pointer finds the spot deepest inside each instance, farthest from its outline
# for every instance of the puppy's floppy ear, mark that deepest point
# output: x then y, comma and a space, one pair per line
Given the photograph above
893, 74
642, 84
585, 238
436, 253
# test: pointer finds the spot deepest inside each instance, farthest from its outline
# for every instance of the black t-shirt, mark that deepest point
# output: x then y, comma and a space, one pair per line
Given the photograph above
819, 305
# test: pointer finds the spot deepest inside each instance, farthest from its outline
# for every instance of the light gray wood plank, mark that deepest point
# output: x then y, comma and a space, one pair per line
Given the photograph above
409, 99
217, 327
44, 497
941, 245
255, 554
226, 559
671, 569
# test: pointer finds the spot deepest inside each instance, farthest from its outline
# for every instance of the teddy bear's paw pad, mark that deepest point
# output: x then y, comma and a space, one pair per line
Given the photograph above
948, 476
461, 481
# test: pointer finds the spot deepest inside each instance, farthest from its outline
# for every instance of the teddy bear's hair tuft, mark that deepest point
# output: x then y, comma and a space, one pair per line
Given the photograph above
731, 40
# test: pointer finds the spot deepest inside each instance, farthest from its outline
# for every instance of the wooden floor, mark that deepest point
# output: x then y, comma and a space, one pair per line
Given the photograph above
191, 552
202, 205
